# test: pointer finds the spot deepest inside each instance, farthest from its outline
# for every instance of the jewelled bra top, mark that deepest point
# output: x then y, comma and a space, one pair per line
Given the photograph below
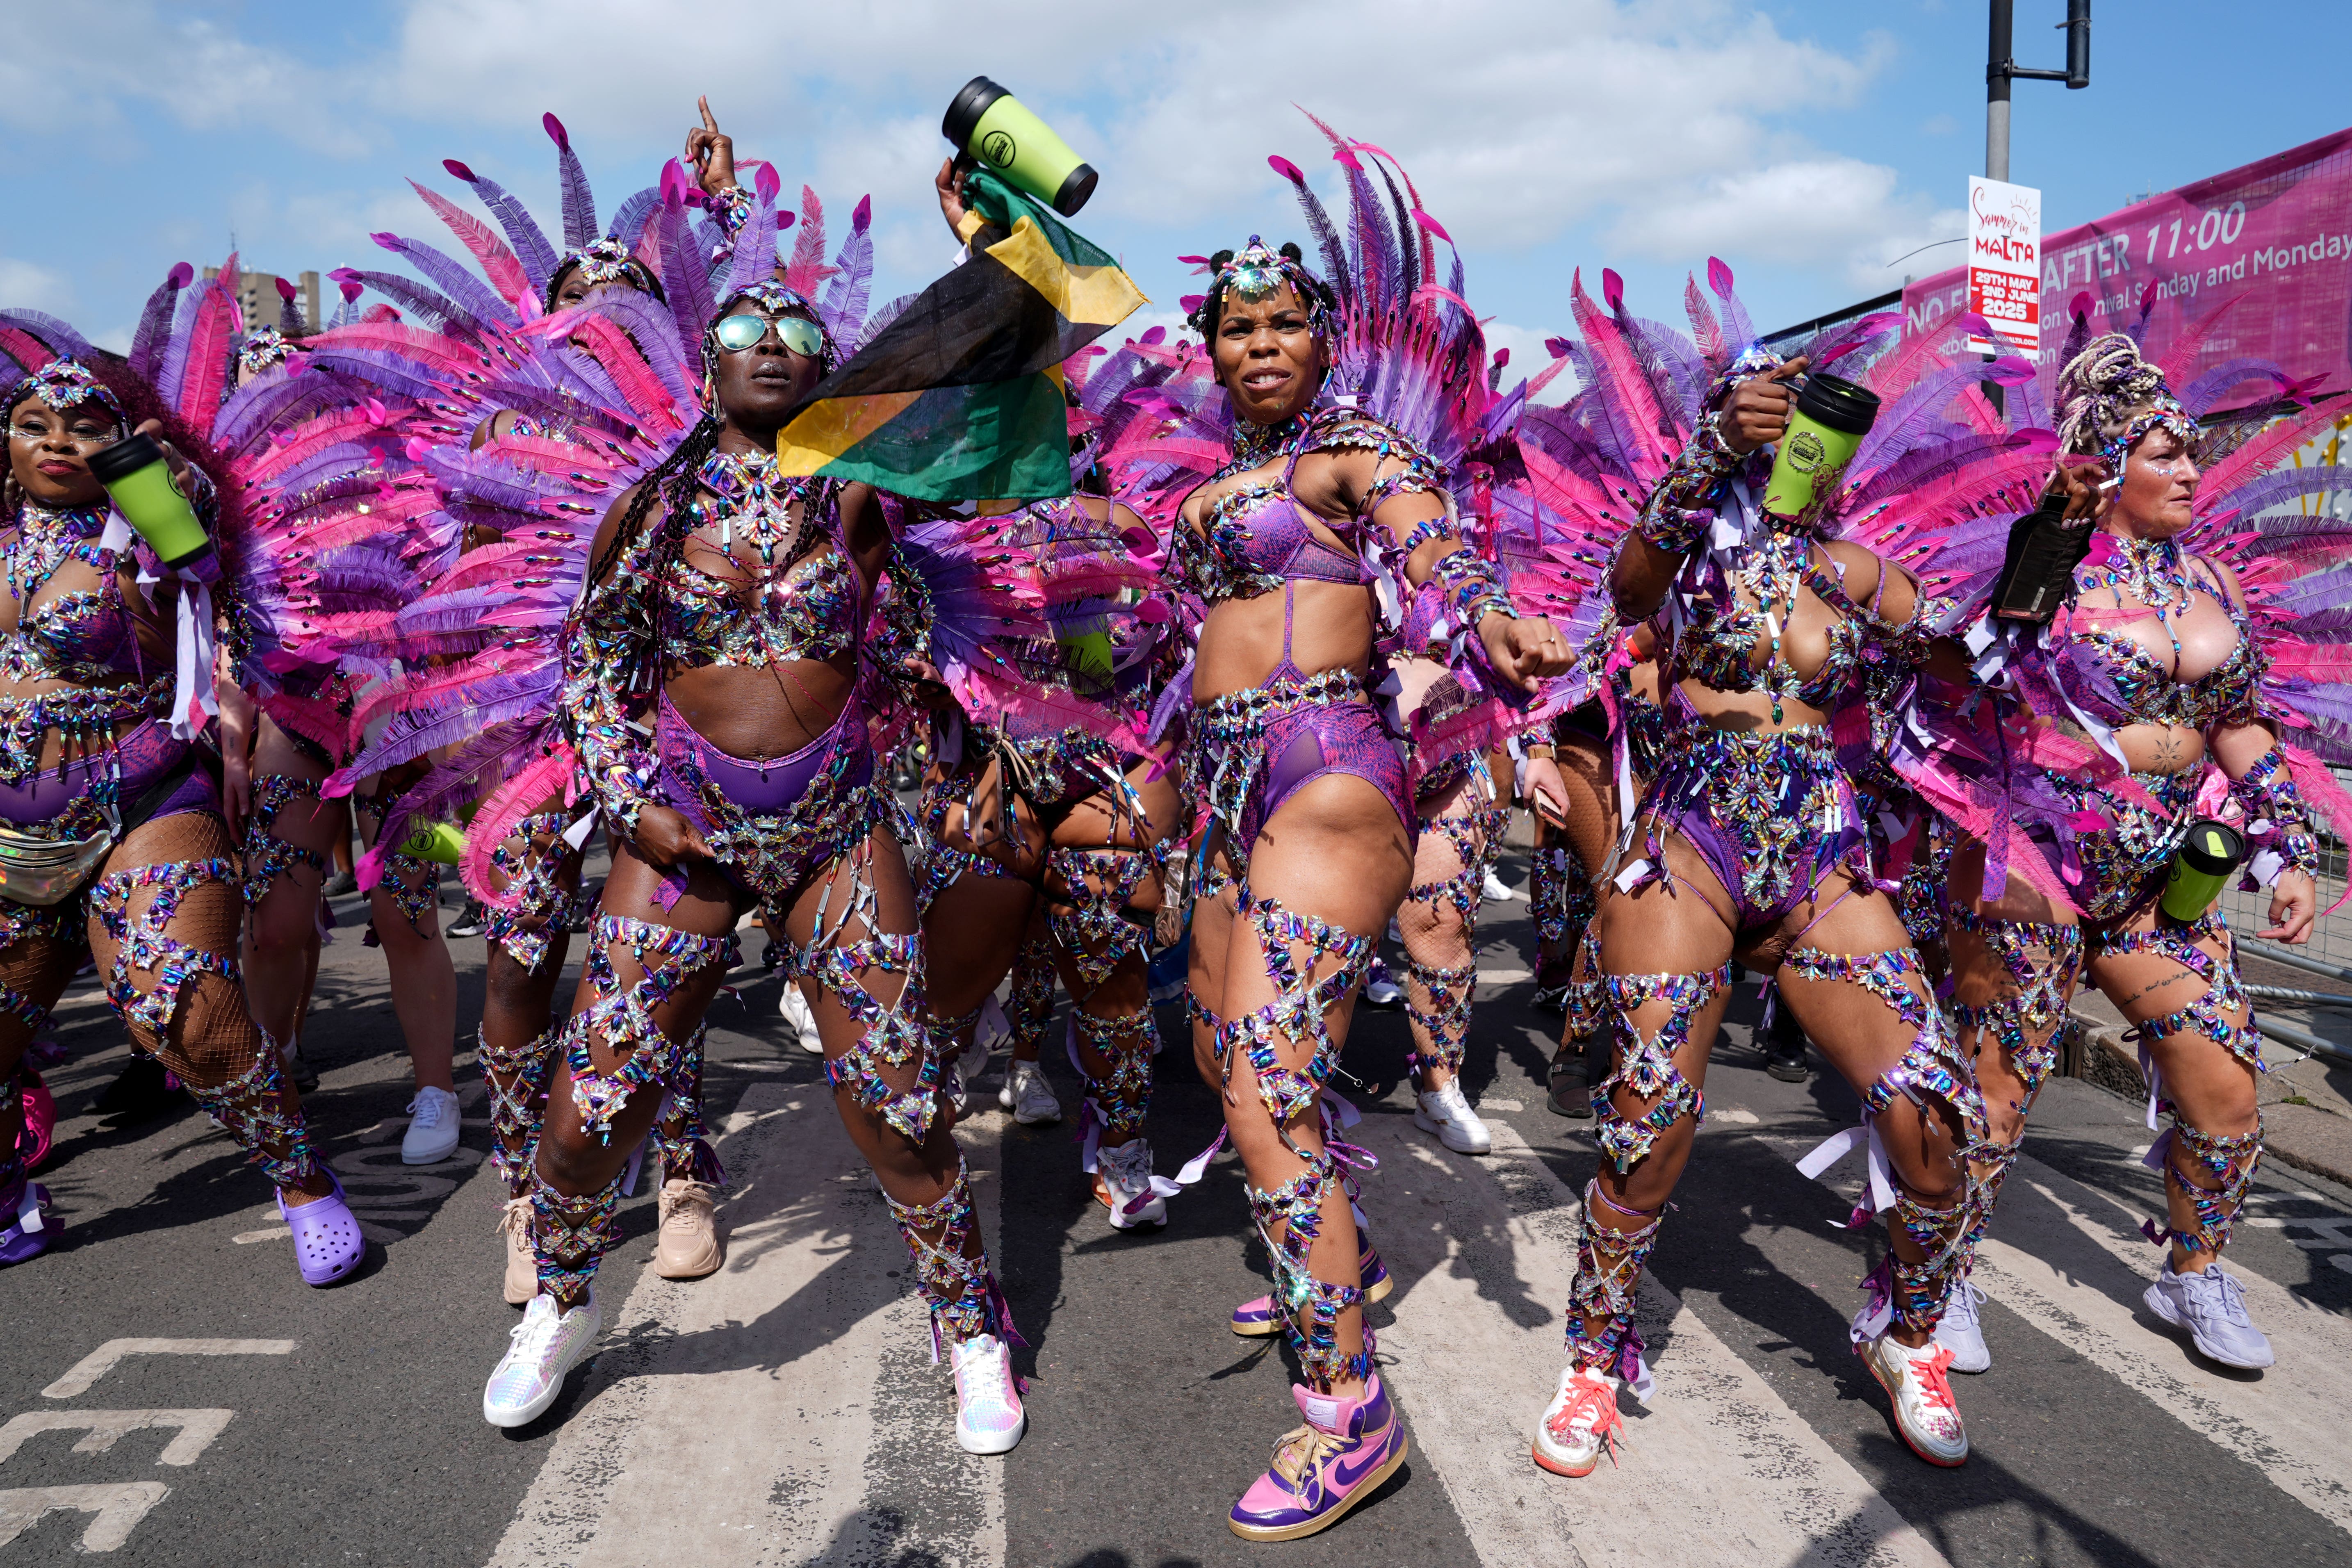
2113, 678
1717, 646
1254, 538
777, 613
86, 636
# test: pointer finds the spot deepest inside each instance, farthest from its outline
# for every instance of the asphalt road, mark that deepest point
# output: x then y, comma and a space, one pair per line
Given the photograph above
784, 1411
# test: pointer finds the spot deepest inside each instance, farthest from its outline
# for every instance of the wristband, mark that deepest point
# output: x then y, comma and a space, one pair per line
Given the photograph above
1682, 505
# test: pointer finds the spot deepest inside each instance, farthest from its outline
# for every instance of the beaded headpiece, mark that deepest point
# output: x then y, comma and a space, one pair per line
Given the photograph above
61, 384
2109, 398
1255, 272
262, 347
599, 261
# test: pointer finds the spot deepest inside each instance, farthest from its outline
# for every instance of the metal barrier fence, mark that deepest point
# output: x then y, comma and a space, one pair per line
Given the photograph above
2331, 938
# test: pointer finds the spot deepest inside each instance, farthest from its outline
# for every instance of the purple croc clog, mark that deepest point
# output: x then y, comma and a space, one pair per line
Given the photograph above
30, 1231
327, 1240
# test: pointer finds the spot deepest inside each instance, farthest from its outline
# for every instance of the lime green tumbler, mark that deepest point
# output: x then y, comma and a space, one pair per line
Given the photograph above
989, 124
2201, 870
139, 481
1825, 429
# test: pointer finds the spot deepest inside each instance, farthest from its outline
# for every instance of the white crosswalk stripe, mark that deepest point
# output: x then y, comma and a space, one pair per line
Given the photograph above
804, 1338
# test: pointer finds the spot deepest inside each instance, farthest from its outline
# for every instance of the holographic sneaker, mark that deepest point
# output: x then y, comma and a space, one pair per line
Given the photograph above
1321, 1470
541, 1348
989, 1418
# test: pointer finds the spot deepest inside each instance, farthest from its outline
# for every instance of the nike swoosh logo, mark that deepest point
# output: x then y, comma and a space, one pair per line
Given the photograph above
1343, 1476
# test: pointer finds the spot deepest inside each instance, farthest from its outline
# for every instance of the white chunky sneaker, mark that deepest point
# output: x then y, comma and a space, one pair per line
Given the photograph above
1446, 1113
544, 1347
1923, 1412
432, 1135
989, 1418
1578, 1422
2213, 1306
1960, 1332
795, 1010
1028, 1096
1126, 1176
1496, 891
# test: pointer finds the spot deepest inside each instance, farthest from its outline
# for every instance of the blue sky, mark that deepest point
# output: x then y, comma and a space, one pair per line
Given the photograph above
1807, 143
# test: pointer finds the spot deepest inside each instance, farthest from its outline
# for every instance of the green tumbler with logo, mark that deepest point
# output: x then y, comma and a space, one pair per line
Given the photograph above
990, 125
139, 481
2201, 870
1825, 428
442, 843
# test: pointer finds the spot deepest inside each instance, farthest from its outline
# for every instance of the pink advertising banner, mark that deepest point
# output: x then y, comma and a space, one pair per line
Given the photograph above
2272, 242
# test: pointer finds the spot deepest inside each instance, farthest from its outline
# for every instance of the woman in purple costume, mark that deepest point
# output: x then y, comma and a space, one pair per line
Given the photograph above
1748, 842
1310, 848
101, 752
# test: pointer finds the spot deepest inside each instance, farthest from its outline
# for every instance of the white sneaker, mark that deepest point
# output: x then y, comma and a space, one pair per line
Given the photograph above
1028, 1096
1960, 1331
1447, 1114
541, 1348
1580, 1419
967, 1070
1126, 1174
989, 1418
1381, 990
432, 1135
1923, 1412
1499, 891
795, 1010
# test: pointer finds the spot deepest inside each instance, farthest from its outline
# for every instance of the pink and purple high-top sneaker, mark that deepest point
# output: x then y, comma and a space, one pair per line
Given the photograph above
1348, 1448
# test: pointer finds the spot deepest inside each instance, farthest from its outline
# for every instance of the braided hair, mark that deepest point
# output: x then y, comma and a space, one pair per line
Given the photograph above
2108, 397
684, 463
1322, 304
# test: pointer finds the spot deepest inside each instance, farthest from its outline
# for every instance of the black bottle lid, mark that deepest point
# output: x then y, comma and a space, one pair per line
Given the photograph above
2214, 847
123, 458
966, 108
1839, 403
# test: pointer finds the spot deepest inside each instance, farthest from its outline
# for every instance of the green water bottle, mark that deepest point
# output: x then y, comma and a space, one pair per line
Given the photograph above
1825, 428
989, 124
442, 843
2201, 870
139, 481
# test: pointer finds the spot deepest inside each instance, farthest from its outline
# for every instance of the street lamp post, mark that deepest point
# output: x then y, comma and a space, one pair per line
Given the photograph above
2002, 69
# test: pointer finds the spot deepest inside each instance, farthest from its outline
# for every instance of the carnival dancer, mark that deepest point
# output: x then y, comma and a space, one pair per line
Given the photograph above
1321, 515
107, 781
594, 378
1747, 841
1028, 810
718, 682
2194, 632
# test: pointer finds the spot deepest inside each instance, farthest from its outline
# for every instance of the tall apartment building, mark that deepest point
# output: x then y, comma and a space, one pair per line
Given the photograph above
258, 292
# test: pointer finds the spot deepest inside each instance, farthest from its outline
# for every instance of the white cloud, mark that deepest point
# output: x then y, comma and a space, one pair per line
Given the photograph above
28, 286
86, 62
1812, 211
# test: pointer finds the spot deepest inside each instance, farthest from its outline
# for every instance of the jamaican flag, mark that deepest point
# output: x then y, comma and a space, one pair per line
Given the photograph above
960, 397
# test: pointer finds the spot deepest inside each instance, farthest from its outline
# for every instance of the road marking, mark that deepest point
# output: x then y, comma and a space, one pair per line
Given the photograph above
1482, 1253
120, 1507
198, 1430
101, 1361
2058, 1259
804, 1337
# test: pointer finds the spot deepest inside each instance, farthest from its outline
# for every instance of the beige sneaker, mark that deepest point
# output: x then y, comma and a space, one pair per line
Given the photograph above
688, 1247
523, 1268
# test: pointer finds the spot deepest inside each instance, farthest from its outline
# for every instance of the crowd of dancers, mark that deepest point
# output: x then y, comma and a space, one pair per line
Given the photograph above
505, 557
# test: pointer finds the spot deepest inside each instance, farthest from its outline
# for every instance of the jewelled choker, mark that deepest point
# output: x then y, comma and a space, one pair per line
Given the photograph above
1255, 445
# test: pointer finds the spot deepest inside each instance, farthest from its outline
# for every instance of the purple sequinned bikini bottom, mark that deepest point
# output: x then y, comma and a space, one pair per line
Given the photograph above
1770, 814
775, 820
143, 753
